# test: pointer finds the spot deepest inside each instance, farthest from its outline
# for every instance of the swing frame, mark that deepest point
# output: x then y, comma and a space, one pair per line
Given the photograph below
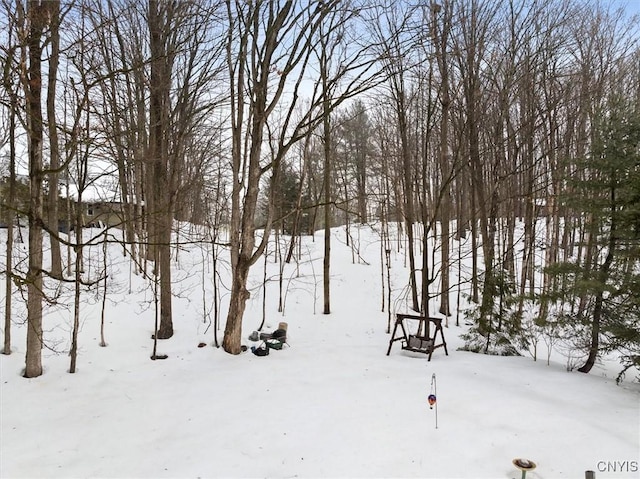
419, 342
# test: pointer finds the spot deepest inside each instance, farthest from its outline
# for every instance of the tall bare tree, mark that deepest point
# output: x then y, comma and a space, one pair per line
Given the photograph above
10, 86
396, 44
442, 18
159, 194
184, 61
472, 43
54, 148
270, 47
37, 17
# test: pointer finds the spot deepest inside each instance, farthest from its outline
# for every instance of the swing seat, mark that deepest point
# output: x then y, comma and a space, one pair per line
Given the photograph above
415, 342
419, 344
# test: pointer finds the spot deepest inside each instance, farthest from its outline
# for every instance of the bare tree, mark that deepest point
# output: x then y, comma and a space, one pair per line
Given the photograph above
472, 43
80, 148
118, 32
10, 105
270, 47
52, 128
159, 194
37, 19
325, 53
183, 64
442, 17
259, 66
396, 46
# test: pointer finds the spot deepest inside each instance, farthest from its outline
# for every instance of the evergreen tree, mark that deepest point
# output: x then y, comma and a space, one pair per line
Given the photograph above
284, 195
601, 297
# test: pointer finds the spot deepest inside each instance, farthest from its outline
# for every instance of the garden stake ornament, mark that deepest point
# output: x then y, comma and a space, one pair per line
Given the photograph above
432, 397
524, 465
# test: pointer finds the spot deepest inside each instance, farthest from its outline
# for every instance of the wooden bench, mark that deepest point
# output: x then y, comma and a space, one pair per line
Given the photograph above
422, 341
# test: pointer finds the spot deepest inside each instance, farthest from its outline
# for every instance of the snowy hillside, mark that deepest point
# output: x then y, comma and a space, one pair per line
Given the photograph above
331, 404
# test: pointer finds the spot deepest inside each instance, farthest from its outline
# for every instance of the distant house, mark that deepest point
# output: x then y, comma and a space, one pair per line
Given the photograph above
103, 213
96, 214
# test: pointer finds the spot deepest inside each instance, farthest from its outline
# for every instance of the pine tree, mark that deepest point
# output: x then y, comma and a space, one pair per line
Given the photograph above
603, 292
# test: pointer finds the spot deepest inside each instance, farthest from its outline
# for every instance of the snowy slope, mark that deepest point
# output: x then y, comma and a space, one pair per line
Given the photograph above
332, 404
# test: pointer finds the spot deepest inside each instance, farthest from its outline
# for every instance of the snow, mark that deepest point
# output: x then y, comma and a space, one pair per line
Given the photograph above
331, 404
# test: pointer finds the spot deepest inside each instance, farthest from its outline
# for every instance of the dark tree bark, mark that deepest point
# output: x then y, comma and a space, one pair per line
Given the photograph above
441, 41
54, 150
10, 88
161, 211
326, 139
37, 20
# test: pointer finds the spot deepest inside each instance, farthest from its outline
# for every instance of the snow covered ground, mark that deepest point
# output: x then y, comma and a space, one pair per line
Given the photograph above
332, 404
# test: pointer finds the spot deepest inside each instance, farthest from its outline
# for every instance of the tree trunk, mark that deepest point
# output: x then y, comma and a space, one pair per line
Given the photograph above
10, 211
478, 185
326, 264
36, 14
160, 84
165, 331
409, 217
54, 150
603, 277
237, 304
441, 41
78, 280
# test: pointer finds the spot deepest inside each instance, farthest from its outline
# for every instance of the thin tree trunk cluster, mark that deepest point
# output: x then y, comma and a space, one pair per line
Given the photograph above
468, 125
